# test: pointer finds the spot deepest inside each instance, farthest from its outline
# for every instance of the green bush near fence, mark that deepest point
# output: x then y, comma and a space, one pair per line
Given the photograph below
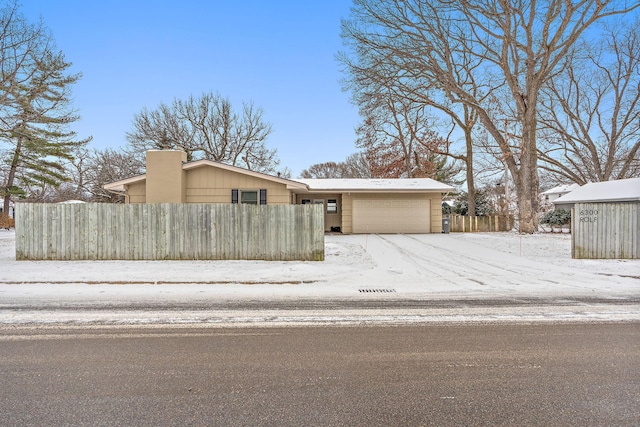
557, 218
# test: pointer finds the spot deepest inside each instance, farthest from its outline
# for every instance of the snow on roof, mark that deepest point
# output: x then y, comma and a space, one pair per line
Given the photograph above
343, 184
622, 190
561, 189
120, 185
400, 184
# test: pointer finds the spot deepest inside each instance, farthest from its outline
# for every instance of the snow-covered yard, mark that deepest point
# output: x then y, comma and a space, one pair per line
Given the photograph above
434, 264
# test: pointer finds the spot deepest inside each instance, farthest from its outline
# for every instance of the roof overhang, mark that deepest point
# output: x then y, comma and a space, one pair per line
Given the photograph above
399, 185
121, 186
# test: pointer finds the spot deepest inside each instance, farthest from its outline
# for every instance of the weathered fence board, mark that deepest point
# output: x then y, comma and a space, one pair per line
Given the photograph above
463, 224
96, 231
605, 231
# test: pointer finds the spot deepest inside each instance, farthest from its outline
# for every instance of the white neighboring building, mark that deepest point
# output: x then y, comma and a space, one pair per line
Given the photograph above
554, 193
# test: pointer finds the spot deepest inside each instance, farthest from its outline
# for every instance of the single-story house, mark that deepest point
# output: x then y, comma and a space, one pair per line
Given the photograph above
554, 193
622, 190
350, 205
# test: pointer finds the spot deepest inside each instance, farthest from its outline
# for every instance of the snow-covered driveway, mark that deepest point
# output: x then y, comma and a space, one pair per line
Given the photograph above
499, 264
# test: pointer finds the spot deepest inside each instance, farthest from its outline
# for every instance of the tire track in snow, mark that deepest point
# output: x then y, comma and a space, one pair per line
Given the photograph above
465, 266
444, 269
526, 268
417, 261
468, 259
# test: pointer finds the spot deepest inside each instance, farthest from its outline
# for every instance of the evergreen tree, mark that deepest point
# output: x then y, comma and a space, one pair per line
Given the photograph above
483, 204
35, 110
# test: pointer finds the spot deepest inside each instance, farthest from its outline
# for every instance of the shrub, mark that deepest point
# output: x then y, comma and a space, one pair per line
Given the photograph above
557, 217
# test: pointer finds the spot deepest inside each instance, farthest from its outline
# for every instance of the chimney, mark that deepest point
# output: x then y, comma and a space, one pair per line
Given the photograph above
165, 177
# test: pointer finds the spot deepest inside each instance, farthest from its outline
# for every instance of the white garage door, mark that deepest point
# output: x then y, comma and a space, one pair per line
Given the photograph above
391, 216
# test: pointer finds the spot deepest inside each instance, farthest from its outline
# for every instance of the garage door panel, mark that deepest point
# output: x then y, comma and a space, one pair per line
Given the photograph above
391, 216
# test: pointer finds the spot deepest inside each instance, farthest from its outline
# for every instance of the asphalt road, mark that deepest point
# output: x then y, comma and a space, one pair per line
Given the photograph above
584, 374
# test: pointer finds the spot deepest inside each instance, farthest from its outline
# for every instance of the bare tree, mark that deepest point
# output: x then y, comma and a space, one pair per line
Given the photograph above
88, 171
355, 166
516, 44
78, 171
44, 193
395, 135
369, 77
207, 128
324, 170
18, 40
590, 116
106, 166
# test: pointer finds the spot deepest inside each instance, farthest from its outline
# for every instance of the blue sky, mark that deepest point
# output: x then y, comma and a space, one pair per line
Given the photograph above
279, 54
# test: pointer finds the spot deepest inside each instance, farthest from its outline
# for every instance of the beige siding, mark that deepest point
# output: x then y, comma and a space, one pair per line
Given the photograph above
347, 213
212, 185
165, 177
330, 219
436, 212
136, 192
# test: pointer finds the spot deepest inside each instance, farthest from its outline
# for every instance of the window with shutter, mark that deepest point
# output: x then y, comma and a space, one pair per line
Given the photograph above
249, 197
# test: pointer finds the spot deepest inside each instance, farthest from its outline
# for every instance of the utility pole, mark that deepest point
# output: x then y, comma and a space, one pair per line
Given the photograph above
506, 170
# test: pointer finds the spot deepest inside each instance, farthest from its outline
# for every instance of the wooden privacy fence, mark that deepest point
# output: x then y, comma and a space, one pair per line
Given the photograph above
462, 224
169, 231
605, 231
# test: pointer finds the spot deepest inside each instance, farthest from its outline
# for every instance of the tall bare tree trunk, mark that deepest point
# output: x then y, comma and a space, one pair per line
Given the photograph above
471, 187
528, 181
11, 177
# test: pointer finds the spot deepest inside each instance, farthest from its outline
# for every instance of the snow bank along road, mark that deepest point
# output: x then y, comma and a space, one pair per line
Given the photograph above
365, 278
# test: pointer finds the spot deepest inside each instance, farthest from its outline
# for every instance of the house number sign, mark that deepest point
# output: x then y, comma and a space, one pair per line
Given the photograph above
589, 215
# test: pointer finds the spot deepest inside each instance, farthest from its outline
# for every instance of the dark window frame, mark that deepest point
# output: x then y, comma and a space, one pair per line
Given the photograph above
252, 201
332, 206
